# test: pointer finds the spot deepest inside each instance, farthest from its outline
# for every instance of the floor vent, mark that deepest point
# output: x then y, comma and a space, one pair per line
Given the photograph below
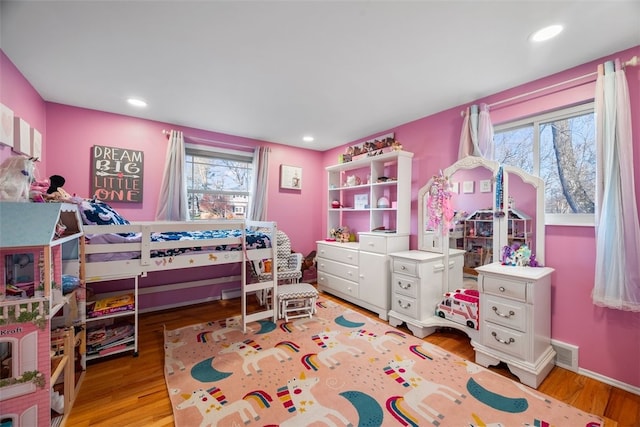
566, 355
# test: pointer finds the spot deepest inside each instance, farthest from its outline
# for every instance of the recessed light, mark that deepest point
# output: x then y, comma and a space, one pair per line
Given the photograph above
546, 33
307, 138
136, 102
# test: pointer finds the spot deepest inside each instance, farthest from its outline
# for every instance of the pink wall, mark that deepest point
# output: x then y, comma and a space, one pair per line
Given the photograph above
609, 340
18, 94
72, 132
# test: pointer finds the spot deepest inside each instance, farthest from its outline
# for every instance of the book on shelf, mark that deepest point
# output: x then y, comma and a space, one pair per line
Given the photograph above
110, 305
104, 337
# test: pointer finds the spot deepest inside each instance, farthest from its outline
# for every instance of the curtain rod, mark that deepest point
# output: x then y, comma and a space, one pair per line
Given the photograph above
196, 138
634, 61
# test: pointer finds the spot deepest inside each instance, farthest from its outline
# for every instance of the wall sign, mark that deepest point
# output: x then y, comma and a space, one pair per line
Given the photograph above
116, 174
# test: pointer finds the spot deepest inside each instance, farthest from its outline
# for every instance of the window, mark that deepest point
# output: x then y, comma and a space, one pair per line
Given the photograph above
560, 148
218, 182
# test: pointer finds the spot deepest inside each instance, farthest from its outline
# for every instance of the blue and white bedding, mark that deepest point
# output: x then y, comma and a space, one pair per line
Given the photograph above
254, 240
100, 213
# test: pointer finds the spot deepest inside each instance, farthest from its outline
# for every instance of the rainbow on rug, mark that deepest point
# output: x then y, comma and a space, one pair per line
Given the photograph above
340, 368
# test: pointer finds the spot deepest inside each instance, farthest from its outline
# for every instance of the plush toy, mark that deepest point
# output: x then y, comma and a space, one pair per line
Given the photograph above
16, 173
55, 192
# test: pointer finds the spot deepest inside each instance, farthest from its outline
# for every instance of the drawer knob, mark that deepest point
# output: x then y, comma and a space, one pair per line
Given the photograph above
507, 342
506, 316
404, 285
502, 288
403, 267
405, 306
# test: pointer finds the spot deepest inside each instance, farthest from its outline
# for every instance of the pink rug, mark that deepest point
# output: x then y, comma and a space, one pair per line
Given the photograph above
340, 368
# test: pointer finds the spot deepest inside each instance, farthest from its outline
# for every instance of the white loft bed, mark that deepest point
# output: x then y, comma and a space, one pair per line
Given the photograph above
135, 251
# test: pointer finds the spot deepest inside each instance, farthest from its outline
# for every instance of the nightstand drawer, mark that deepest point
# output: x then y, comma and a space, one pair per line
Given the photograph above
505, 340
405, 267
404, 285
404, 305
504, 288
370, 243
506, 312
336, 253
347, 271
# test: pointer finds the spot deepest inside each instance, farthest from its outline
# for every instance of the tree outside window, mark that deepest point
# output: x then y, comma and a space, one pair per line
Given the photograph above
218, 184
560, 148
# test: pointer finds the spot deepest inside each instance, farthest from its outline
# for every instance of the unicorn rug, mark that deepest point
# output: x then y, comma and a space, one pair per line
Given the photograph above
340, 368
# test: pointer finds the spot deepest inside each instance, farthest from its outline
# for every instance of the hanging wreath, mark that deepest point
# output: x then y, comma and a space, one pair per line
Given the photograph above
439, 204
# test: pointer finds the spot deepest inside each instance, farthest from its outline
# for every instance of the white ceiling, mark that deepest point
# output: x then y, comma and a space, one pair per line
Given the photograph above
278, 70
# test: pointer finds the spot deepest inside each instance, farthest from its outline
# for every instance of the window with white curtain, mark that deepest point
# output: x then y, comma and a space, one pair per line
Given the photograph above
560, 148
218, 182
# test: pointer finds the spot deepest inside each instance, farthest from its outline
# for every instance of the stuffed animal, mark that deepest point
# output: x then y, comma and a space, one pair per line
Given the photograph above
55, 192
16, 173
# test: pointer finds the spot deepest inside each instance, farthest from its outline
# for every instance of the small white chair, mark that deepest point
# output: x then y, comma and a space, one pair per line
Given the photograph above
296, 300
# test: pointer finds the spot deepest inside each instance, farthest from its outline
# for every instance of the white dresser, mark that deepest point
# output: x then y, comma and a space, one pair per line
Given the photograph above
515, 320
359, 272
417, 287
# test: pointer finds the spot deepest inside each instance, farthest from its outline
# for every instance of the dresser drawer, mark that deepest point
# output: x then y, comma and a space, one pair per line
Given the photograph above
404, 285
506, 312
505, 340
347, 271
377, 244
330, 283
405, 305
516, 290
336, 253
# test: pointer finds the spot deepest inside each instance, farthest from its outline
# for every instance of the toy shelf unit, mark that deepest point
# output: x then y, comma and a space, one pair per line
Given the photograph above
41, 326
371, 193
478, 232
112, 323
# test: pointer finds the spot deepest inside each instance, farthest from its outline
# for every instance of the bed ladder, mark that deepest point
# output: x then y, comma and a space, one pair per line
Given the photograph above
267, 311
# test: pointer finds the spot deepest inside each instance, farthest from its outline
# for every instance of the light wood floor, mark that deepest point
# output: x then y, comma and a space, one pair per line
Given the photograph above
131, 391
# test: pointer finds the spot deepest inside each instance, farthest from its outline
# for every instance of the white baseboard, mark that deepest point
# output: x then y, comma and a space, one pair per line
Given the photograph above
177, 305
610, 381
186, 285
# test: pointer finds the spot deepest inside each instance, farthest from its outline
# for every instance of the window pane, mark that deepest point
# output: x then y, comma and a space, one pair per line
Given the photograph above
560, 148
568, 164
218, 187
514, 148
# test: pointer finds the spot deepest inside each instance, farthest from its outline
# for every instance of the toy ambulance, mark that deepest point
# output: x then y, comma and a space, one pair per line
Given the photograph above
461, 306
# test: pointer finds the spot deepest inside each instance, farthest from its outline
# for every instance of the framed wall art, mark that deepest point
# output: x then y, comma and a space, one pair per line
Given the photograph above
468, 187
117, 174
21, 136
6, 125
485, 186
290, 177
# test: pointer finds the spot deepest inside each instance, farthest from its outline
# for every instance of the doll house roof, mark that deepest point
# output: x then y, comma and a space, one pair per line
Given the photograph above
34, 224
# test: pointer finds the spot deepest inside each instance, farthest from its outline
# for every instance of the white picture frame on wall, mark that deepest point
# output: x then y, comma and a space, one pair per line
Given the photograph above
36, 144
485, 186
468, 187
290, 177
21, 136
6, 125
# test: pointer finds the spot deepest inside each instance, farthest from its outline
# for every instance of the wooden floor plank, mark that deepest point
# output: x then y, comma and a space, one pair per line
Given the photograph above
131, 391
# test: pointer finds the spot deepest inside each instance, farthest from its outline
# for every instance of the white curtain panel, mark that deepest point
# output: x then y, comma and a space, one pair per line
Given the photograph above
617, 279
476, 137
258, 203
173, 202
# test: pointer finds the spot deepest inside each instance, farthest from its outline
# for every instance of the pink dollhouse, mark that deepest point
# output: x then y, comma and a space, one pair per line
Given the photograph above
38, 343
